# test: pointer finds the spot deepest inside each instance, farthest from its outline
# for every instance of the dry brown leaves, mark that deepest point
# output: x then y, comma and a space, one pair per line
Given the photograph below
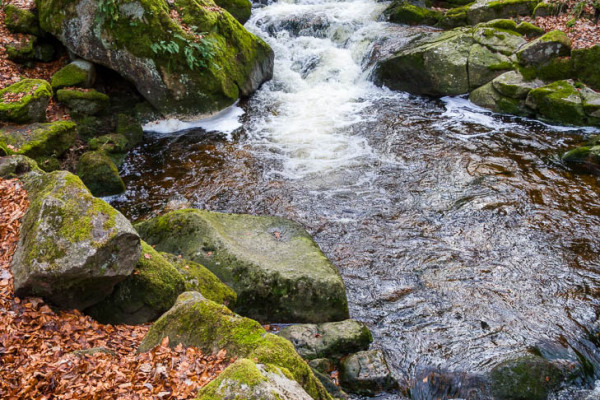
37, 344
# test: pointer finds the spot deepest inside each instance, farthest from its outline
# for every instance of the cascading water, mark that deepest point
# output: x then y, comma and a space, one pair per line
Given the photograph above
462, 239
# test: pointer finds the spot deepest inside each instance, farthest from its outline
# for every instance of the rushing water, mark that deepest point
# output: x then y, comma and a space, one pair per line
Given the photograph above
461, 237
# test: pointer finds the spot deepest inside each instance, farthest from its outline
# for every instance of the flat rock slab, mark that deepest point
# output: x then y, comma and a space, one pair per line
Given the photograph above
277, 270
73, 248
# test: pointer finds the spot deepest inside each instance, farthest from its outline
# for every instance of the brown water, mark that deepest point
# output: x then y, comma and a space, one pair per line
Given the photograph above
461, 237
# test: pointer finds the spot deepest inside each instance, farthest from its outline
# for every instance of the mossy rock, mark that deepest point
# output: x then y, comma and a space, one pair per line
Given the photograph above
505, 24
328, 340
20, 20
485, 65
547, 8
83, 101
366, 373
543, 49
39, 140
525, 378
143, 296
48, 163
79, 73
528, 29
277, 270
198, 278
512, 84
591, 102
196, 321
179, 72
403, 12
73, 248
559, 101
240, 9
247, 380
558, 68
31, 107
585, 64
16, 166
487, 10
100, 174
488, 97
111, 143
131, 129
22, 51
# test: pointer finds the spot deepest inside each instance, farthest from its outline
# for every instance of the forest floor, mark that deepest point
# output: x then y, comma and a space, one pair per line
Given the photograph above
40, 349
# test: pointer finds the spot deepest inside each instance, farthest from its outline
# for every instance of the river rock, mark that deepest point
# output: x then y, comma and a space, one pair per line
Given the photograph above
403, 12
25, 101
100, 174
585, 64
366, 373
440, 64
247, 380
181, 72
15, 166
83, 101
277, 270
332, 339
513, 85
39, 140
79, 73
528, 377
559, 101
486, 10
196, 321
20, 20
198, 278
143, 296
73, 248
541, 50
240, 9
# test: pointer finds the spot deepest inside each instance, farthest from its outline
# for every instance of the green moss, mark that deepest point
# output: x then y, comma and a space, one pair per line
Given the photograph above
406, 13
40, 140
585, 63
100, 174
199, 278
19, 20
559, 101
577, 155
111, 143
455, 17
530, 30
240, 9
506, 24
31, 107
83, 101
130, 128
48, 164
22, 51
243, 371
15, 166
70, 75
556, 36
145, 295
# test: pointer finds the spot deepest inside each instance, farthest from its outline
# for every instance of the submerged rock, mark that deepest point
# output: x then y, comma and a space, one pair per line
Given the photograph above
196, 321
73, 248
247, 380
143, 296
179, 70
79, 73
366, 373
332, 339
277, 270
100, 174
25, 101
525, 378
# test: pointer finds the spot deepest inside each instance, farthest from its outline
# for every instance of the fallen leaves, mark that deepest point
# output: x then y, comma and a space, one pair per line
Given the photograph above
66, 355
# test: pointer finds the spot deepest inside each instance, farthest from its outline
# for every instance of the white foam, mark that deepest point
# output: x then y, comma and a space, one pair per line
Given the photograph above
226, 122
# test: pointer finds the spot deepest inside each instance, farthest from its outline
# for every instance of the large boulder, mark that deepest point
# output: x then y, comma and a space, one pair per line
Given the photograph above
366, 373
506, 94
247, 380
25, 101
198, 278
100, 174
277, 270
39, 140
196, 321
450, 63
541, 50
143, 296
187, 58
331, 339
73, 248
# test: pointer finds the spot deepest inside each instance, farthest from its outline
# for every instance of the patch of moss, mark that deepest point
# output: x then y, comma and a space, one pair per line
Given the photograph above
100, 174
20, 20
111, 143
585, 64
145, 295
240, 9
528, 29
22, 51
506, 24
40, 140
14, 166
83, 101
406, 13
559, 101
48, 164
31, 106
242, 372
130, 128
199, 278
70, 75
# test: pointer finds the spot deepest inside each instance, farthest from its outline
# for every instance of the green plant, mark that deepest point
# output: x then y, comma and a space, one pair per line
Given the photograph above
108, 11
571, 23
198, 53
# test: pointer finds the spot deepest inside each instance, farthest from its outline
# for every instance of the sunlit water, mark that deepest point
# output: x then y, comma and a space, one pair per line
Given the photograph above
462, 239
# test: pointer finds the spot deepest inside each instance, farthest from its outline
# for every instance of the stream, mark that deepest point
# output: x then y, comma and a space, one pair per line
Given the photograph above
461, 237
